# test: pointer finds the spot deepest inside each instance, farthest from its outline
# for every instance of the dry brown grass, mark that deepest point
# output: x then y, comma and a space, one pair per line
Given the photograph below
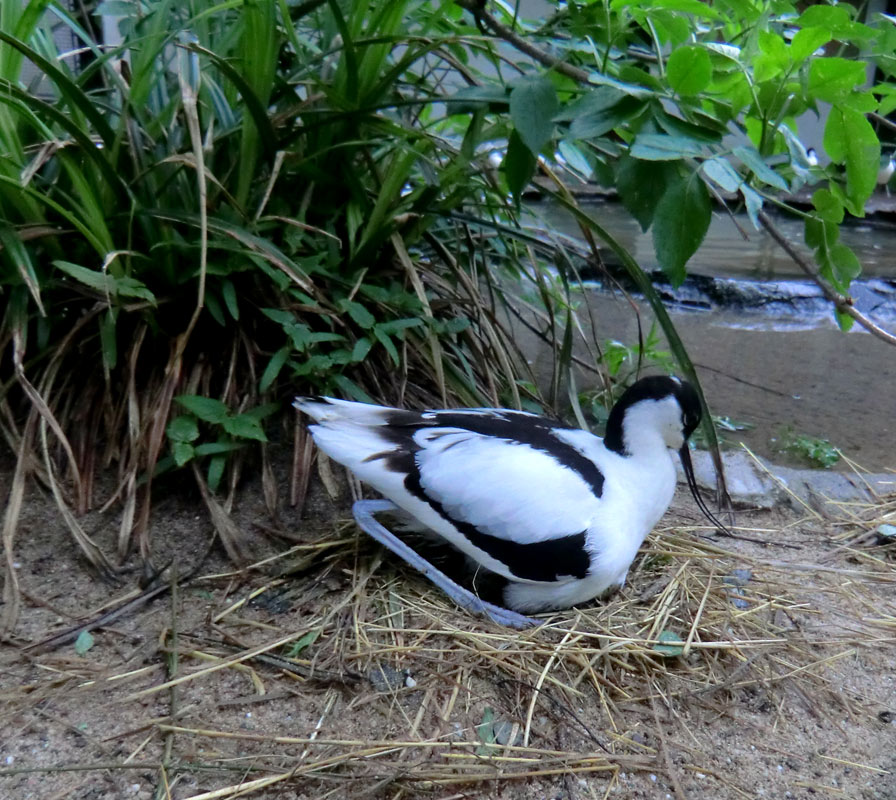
583, 702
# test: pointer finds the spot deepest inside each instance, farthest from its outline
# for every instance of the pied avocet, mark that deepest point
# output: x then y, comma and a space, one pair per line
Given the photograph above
555, 510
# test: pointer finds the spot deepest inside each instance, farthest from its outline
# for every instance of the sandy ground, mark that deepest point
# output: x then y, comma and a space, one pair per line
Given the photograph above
334, 671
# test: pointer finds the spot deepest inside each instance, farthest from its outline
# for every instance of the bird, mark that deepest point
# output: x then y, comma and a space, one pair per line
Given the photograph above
887, 168
555, 511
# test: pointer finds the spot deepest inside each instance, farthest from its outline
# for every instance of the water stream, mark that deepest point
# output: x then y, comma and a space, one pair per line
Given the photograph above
777, 361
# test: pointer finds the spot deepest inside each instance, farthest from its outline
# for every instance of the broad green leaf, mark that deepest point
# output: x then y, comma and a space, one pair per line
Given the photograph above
806, 41
689, 70
245, 427
751, 158
850, 139
593, 123
183, 453
519, 165
820, 234
576, 160
828, 207
206, 408
773, 57
659, 147
83, 643
845, 264
680, 224
720, 171
533, 105
641, 185
833, 79
183, 429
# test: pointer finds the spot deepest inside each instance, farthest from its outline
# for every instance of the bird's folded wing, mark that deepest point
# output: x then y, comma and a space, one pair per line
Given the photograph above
503, 488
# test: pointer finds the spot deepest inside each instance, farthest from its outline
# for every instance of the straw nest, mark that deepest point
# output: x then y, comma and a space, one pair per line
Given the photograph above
330, 670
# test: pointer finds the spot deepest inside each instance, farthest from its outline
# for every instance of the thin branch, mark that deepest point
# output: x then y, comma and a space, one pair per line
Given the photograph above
842, 302
477, 9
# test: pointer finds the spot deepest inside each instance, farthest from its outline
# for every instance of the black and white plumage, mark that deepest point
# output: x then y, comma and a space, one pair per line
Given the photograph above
555, 510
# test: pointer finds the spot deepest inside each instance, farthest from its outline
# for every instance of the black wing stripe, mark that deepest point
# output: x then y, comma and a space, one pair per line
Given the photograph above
535, 561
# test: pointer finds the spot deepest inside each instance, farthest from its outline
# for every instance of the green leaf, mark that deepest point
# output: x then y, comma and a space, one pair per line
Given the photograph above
215, 473
244, 427
302, 643
105, 283
599, 79
594, 121
361, 349
720, 171
773, 57
183, 429
206, 408
386, 342
272, 370
83, 643
689, 70
519, 165
833, 79
360, 315
660, 147
533, 105
680, 224
845, 264
806, 41
217, 448
753, 202
229, 293
669, 644
820, 233
850, 139
183, 452
751, 158
828, 207
351, 389
844, 320
641, 185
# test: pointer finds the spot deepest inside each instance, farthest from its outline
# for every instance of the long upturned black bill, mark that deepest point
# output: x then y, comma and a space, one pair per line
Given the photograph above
685, 455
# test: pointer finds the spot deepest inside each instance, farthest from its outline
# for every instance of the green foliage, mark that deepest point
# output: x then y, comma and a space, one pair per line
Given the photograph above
227, 432
685, 99
815, 451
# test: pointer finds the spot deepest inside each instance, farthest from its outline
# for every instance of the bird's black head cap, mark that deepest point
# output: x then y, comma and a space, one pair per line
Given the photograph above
654, 387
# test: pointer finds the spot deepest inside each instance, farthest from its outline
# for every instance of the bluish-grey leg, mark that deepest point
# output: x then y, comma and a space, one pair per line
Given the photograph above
364, 511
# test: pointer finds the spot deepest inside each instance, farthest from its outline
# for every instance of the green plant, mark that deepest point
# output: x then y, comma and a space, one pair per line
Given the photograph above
239, 202
812, 449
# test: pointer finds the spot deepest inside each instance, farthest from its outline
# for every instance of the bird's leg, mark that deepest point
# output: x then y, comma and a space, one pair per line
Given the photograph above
364, 511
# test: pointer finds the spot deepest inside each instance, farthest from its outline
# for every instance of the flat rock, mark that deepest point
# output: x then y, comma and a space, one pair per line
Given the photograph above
756, 483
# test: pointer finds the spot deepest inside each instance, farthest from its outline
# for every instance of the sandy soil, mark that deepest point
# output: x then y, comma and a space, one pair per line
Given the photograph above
395, 694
